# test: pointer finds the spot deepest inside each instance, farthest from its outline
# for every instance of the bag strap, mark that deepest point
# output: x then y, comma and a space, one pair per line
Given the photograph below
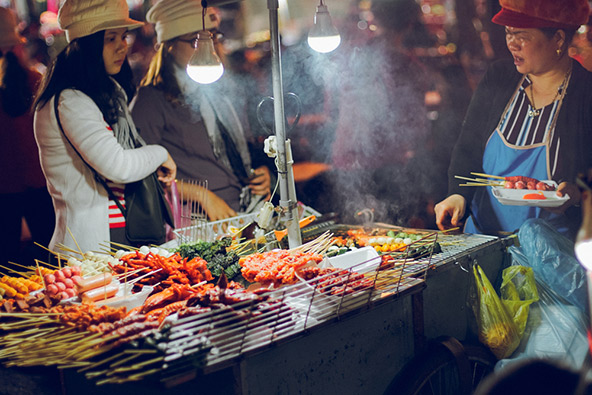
100, 179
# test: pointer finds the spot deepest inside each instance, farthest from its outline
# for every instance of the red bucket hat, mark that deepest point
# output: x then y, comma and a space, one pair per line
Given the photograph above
561, 14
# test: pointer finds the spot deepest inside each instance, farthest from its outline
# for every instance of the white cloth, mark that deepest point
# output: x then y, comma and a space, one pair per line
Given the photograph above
80, 18
174, 18
80, 202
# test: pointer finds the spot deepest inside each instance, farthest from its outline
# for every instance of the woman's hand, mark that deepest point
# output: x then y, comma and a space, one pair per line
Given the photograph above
167, 172
575, 196
260, 184
450, 211
217, 209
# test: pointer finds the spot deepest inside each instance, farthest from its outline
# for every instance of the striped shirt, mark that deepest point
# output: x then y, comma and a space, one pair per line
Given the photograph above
520, 129
116, 218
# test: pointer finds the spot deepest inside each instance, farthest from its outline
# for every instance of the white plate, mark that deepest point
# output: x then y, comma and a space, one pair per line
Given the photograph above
362, 260
514, 197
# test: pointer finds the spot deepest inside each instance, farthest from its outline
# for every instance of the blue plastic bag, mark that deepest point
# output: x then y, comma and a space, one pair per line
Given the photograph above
557, 323
552, 258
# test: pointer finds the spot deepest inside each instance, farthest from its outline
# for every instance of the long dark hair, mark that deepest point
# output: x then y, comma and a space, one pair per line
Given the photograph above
80, 66
16, 91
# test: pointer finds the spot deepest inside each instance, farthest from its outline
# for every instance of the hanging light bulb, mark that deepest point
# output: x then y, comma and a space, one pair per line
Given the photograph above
205, 65
323, 37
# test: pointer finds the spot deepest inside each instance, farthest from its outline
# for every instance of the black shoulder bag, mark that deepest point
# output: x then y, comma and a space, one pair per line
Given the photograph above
146, 210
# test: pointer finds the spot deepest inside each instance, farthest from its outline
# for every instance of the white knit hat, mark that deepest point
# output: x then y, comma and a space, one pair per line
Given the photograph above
9, 35
81, 18
174, 18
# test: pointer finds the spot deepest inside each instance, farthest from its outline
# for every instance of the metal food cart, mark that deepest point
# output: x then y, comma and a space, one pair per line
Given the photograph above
355, 348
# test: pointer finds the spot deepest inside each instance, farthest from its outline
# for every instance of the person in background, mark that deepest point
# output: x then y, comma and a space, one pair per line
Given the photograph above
91, 80
196, 123
530, 116
23, 193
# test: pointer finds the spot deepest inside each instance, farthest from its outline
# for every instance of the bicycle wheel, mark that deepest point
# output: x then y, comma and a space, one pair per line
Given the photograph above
446, 368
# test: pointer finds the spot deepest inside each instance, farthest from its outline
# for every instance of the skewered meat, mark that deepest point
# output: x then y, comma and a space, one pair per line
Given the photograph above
522, 182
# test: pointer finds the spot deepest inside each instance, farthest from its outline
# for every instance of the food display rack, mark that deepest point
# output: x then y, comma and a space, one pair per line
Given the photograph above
353, 344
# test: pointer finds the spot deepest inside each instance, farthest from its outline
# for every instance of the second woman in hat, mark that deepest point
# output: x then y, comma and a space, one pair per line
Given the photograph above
190, 119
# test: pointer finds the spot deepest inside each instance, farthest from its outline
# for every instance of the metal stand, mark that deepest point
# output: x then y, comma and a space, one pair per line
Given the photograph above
288, 201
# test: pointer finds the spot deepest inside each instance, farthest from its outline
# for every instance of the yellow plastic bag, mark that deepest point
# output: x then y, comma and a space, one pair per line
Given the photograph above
518, 291
496, 327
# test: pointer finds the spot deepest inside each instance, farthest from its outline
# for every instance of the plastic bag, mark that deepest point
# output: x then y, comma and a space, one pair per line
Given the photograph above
174, 201
518, 291
552, 258
496, 327
555, 329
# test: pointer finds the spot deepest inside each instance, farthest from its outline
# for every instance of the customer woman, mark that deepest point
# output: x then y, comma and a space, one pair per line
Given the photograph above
531, 116
91, 79
23, 193
196, 123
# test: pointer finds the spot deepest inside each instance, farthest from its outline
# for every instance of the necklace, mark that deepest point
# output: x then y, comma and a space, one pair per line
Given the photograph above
534, 112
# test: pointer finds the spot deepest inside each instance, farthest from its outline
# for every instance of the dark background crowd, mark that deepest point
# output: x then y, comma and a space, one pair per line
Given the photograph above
379, 116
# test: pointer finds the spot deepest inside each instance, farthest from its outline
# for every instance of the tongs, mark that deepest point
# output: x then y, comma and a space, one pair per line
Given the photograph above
280, 234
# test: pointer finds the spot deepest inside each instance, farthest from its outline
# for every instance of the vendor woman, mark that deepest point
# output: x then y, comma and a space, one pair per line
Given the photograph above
530, 116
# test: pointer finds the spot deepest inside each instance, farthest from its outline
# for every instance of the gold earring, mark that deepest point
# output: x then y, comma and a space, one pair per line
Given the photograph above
559, 52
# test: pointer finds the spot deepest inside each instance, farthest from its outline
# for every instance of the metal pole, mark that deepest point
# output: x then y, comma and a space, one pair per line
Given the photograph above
288, 202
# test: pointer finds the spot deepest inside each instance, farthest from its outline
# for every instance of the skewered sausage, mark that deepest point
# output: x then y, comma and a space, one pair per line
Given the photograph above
99, 293
86, 284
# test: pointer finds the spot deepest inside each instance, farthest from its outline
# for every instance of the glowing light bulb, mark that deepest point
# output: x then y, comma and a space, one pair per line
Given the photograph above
204, 65
323, 37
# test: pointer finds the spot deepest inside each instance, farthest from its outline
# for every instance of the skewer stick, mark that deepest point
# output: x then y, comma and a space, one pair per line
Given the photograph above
45, 248
123, 246
488, 175
68, 249
75, 242
110, 248
127, 274
23, 266
135, 280
12, 270
480, 180
40, 274
198, 284
476, 184
450, 230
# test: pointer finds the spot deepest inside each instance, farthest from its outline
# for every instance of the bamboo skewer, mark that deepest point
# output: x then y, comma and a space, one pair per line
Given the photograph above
40, 275
480, 181
123, 246
32, 268
488, 176
75, 242
68, 249
12, 270
476, 184
450, 230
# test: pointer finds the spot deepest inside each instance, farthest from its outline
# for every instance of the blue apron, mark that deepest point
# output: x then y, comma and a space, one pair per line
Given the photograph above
488, 216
